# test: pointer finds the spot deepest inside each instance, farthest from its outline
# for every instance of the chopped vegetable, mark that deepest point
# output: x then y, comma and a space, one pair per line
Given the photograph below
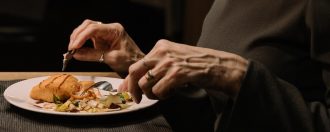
91, 102
63, 107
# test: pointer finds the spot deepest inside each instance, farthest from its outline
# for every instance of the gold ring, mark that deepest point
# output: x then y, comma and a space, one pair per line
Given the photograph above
101, 60
149, 75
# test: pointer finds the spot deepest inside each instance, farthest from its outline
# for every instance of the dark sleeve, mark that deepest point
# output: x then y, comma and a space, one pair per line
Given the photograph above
266, 103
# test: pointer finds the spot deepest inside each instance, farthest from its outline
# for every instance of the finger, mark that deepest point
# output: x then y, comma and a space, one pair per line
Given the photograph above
152, 76
167, 85
110, 32
146, 83
77, 31
134, 89
142, 66
87, 54
85, 34
161, 48
123, 86
136, 72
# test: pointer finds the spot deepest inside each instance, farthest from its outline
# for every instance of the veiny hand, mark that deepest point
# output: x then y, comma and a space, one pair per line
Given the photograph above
118, 49
169, 66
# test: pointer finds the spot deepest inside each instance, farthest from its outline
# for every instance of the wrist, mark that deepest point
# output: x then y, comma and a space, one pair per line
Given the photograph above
228, 76
236, 87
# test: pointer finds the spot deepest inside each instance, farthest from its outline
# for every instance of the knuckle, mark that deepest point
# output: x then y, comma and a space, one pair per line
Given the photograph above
87, 21
116, 56
161, 43
168, 62
92, 26
131, 69
161, 48
118, 26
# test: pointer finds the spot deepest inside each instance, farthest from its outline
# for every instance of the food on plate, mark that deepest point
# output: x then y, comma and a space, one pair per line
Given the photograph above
56, 87
65, 93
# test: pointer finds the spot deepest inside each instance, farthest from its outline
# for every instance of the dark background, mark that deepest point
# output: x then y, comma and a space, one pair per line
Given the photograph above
35, 33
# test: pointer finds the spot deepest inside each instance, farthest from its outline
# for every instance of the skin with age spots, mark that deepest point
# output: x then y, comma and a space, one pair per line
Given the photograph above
120, 51
172, 65
211, 69
173, 68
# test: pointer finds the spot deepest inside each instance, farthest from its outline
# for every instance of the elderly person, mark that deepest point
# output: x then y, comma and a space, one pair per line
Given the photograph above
263, 65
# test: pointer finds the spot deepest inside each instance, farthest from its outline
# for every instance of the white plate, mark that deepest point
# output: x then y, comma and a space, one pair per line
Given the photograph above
18, 94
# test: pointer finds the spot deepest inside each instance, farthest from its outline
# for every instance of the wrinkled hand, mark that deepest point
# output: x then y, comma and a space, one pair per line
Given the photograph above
111, 40
169, 66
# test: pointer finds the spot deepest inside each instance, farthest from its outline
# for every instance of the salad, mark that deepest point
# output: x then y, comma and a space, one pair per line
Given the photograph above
89, 100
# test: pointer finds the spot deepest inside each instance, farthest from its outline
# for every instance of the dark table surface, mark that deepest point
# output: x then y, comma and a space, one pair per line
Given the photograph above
14, 119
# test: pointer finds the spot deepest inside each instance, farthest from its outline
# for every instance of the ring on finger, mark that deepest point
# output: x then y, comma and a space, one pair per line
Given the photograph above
101, 60
149, 75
